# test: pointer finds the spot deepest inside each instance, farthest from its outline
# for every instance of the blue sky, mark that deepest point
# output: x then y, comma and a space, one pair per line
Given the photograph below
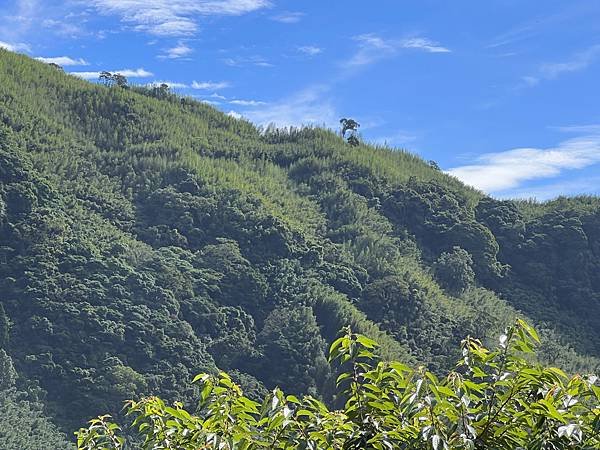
504, 94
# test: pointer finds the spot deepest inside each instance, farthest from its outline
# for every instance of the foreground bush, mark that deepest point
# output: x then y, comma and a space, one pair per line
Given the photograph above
493, 400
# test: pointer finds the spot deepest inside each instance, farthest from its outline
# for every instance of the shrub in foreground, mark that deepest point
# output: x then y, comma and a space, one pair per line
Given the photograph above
494, 399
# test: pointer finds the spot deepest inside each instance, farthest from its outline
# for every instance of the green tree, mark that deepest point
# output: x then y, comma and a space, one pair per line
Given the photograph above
152, 228
494, 399
454, 270
434, 165
23, 424
293, 350
4, 327
106, 78
8, 374
120, 80
349, 131
353, 140
160, 91
348, 125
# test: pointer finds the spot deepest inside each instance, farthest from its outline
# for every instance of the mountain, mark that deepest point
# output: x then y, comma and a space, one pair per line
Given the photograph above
147, 237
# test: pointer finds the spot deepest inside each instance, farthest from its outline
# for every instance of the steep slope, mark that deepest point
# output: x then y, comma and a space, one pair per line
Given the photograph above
145, 238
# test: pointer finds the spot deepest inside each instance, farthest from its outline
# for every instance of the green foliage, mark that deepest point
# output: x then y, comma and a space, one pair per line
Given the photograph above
454, 271
349, 131
113, 79
293, 350
4, 328
23, 424
8, 374
492, 399
552, 251
146, 237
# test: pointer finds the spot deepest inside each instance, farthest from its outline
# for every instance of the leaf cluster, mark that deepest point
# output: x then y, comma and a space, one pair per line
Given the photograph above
492, 399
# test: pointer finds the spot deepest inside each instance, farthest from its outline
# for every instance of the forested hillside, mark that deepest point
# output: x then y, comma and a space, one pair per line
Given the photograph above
146, 237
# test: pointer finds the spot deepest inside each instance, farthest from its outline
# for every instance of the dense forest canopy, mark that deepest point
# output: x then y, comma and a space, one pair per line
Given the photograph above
147, 237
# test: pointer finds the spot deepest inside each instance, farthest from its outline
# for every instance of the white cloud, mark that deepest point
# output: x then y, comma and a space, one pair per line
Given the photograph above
531, 81
64, 61
248, 61
129, 73
372, 48
544, 23
498, 172
308, 107
41, 20
288, 17
235, 115
17, 19
247, 103
579, 61
586, 129
86, 75
173, 17
134, 73
65, 28
15, 47
310, 50
209, 85
550, 71
423, 44
179, 51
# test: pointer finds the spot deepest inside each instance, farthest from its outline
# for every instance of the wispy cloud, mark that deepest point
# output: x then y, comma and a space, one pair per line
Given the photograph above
423, 44
129, 73
311, 106
172, 17
217, 96
513, 35
503, 171
580, 129
210, 102
579, 61
235, 115
240, 61
34, 20
199, 85
310, 50
247, 102
530, 81
66, 26
15, 47
179, 51
288, 17
64, 61
372, 48
16, 21
210, 85
569, 15
551, 71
